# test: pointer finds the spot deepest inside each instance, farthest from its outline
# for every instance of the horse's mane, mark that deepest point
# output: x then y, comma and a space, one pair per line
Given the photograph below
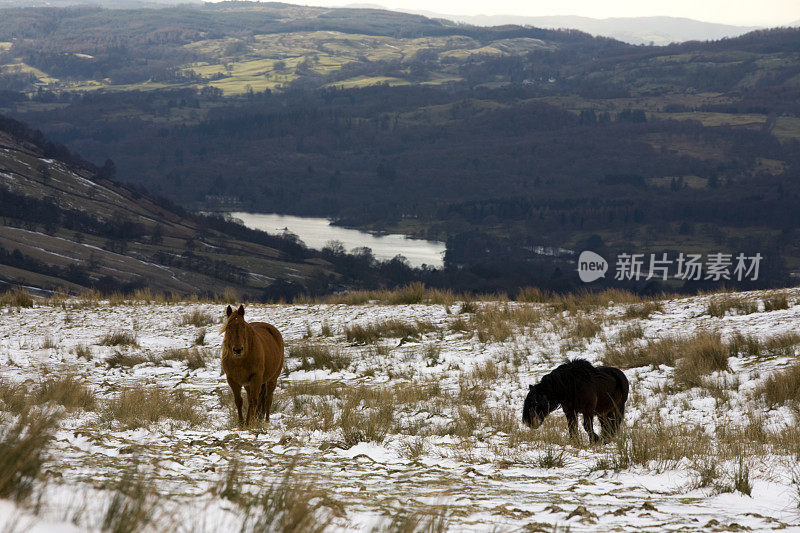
563, 381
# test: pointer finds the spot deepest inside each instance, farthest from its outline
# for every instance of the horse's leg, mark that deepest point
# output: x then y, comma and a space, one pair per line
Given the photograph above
237, 398
572, 423
588, 425
262, 401
268, 400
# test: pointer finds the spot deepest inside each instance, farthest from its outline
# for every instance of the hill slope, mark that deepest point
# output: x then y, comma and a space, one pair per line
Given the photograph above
66, 225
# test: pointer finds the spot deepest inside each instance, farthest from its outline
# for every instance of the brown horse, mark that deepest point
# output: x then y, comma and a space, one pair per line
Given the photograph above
252, 357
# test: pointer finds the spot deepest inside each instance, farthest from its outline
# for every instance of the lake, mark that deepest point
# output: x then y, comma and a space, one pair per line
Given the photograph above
316, 232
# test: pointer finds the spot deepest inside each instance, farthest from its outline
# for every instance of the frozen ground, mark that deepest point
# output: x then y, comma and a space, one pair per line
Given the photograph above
455, 451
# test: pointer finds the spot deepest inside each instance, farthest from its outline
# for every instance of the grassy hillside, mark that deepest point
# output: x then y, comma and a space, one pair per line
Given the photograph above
67, 226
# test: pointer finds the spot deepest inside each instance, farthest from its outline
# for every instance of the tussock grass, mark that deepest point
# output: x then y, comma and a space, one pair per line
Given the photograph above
119, 338
413, 293
66, 390
140, 406
16, 298
658, 445
702, 354
120, 359
285, 505
532, 295
427, 520
194, 357
585, 301
630, 333
720, 305
392, 328
49, 343
198, 318
23, 443
643, 311
584, 327
367, 415
498, 322
133, 505
654, 353
83, 351
776, 302
551, 458
740, 345
14, 397
782, 343
319, 356
692, 356
782, 387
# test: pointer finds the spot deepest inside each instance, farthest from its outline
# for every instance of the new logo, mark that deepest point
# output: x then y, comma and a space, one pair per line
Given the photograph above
591, 266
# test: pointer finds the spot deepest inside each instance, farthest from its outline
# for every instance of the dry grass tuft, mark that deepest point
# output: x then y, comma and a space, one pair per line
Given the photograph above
318, 356
702, 354
367, 415
658, 445
740, 345
22, 447
782, 387
140, 406
133, 505
119, 338
692, 356
392, 328
719, 306
194, 357
644, 310
584, 327
198, 318
120, 359
776, 302
630, 333
782, 343
67, 391
16, 298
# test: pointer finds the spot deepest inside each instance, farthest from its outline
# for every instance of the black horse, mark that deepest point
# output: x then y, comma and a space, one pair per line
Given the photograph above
579, 387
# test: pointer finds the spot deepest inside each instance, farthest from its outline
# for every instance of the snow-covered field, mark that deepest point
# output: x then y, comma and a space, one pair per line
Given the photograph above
413, 433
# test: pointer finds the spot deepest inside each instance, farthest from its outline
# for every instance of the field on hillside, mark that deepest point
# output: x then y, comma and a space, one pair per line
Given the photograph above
400, 416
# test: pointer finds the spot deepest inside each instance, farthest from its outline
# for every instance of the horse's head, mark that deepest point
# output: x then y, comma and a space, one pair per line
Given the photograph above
236, 339
537, 406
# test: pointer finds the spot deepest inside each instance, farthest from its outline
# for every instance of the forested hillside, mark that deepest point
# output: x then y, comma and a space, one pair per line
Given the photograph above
498, 140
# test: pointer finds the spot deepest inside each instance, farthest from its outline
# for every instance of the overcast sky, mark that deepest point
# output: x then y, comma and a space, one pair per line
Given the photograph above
739, 12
